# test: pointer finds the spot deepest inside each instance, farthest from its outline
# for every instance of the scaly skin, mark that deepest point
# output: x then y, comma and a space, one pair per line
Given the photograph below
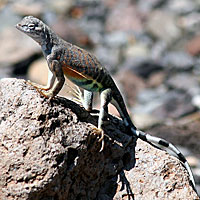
83, 69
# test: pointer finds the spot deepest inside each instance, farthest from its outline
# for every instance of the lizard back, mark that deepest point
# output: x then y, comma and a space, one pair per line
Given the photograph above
84, 69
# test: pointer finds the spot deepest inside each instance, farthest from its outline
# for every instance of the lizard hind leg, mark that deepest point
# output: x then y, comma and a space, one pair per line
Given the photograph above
105, 97
85, 98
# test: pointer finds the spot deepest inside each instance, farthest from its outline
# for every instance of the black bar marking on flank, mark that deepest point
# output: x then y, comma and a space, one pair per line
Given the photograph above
87, 82
95, 86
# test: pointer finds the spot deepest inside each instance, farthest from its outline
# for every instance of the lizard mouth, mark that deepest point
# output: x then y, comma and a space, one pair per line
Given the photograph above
19, 27
22, 28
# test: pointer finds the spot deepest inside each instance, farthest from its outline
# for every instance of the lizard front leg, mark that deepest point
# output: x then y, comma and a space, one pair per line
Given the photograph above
50, 82
55, 85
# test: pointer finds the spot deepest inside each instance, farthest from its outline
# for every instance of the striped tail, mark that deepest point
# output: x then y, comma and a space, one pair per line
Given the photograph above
118, 102
161, 142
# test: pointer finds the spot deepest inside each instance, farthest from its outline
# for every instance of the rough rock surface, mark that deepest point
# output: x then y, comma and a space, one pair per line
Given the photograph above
47, 152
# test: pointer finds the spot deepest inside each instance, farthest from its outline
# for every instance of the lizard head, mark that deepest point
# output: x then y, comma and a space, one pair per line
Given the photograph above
33, 27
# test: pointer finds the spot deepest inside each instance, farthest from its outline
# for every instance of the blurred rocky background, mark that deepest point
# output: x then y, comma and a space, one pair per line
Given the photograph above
151, 47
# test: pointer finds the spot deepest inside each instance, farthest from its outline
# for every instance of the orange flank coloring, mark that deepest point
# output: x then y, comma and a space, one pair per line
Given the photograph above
73, 74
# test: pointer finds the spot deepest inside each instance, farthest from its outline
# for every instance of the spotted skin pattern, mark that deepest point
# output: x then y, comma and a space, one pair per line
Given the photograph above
83, 69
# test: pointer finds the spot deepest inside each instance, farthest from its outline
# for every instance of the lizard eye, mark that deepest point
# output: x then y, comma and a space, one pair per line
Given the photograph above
31, 26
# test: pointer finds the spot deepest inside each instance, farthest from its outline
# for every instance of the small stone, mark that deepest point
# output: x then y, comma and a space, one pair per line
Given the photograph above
131, 84
181, 7
16, 46
138, 49
103, 53
61, 6
156, 79
183, 81
176, 105
179, 60
71, 32
147, 6
144, 121
38, 71
190, 23
163, 104
196, 101
121, 18
162, 25
193, 46
116, 38
28, 8
193, 161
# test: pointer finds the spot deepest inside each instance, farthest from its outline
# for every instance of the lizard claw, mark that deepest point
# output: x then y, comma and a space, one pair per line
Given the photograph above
99, 132
37, 86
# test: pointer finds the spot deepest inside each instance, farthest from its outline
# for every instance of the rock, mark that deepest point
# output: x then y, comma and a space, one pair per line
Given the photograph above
3, 4
16, 46
193, 46
183, 81
130, 84
116, 39
60, 6
156, 79
138, 49
175, 105
169, 32
38, 71
196, 101
142, 66
8, 17
163, 104
144, 121
146, 7
121, 18
181, 7
158, 49
193, 161
150, 187
179, 60
109, 57
46, 152
24, 8
190, 22
148, 100
71, 32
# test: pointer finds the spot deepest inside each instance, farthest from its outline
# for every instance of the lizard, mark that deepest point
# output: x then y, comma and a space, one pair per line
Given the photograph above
84, 70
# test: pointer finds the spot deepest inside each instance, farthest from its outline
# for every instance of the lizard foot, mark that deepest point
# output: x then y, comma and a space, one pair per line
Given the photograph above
44, 91
100, 133
38, 86
46, 94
